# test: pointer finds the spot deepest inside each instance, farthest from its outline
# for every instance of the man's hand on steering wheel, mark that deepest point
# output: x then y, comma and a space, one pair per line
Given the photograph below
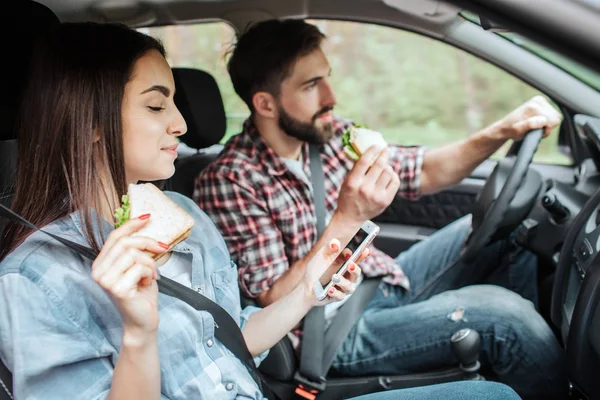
536, 113
528, 123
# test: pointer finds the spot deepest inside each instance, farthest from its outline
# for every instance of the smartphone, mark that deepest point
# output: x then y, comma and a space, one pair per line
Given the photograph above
361, 240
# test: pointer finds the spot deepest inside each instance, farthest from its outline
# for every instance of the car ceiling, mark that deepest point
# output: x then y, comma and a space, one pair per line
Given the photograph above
427, 16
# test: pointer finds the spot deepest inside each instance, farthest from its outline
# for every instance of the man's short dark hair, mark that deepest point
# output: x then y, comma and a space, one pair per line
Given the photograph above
265, 55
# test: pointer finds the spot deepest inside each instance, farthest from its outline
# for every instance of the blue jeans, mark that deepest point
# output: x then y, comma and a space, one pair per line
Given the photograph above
465, 390
409, 331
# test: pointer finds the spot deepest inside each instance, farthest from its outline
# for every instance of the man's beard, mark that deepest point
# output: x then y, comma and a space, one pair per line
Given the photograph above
306, 131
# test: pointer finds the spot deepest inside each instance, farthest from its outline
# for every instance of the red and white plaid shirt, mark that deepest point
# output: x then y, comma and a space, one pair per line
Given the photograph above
266, 213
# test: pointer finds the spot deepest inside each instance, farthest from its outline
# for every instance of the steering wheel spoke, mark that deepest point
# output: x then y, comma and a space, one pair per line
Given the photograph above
501, 188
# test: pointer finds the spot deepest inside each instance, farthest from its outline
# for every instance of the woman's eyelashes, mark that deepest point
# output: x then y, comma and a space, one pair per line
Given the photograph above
155, 109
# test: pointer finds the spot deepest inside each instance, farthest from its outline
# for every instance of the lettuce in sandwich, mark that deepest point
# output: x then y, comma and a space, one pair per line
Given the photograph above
122, 213
357, 140
348, 149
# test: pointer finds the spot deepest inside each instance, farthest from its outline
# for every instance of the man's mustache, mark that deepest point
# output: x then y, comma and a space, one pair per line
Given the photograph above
324, 110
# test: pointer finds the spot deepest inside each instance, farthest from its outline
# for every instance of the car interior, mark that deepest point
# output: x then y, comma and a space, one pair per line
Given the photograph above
554, 209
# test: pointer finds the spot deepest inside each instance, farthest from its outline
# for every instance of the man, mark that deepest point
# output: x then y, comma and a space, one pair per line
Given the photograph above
259, 194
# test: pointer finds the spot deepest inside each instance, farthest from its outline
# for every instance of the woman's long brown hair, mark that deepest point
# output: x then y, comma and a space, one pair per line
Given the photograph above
70, 126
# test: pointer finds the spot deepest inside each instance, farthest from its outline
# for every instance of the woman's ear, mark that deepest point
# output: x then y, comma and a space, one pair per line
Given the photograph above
264, 104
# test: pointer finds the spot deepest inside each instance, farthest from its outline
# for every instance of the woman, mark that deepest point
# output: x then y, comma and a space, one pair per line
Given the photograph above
98, 114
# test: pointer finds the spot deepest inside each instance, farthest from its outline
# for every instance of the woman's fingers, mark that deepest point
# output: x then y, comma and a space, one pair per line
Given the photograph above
323, 260
127, 284
125, 230
343, 284
335, 266
331, 251
345, 256
122, 264
353, 273
125, 262
341, 259
335, 294
121, 248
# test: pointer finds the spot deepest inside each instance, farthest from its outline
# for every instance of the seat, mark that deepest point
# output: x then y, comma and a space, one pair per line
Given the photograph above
26, 22
38, 19
198, 98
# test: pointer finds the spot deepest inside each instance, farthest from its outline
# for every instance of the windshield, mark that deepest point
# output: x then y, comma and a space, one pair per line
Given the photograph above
583, 73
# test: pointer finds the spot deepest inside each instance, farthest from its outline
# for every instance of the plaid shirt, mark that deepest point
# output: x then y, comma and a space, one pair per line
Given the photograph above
266, 213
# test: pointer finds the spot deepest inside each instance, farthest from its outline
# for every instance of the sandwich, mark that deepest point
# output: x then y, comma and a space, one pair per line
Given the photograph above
168, 223
357, 140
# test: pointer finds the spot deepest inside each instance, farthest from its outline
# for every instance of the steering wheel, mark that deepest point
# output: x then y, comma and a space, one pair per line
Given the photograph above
494, 200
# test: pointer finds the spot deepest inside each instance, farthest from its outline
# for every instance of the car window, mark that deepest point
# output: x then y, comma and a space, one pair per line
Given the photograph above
205, 46
417, 90
413, 89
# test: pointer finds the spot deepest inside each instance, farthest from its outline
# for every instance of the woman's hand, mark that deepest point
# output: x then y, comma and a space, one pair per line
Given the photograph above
128, 274
267, 326
323, 267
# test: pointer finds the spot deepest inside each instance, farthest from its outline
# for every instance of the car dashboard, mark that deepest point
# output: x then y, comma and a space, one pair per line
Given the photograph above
576, 292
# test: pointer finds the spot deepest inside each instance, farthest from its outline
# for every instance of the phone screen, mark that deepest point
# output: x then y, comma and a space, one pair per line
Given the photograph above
360, 236
353, 245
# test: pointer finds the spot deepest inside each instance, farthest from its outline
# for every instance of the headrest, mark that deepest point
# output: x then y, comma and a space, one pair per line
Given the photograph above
26, 22
199, 100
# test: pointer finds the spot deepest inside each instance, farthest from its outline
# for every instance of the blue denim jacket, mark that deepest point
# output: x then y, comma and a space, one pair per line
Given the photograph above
60, 333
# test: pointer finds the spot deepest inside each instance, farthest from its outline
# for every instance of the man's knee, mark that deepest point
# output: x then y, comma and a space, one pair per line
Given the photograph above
519, 331
501, 307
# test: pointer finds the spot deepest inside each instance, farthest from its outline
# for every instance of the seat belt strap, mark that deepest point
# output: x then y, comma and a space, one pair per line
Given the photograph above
5, 382
346, 318
323, 346
310, 375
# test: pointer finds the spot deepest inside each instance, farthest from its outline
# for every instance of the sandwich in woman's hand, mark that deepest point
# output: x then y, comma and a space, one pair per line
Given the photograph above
357, 140
168, 223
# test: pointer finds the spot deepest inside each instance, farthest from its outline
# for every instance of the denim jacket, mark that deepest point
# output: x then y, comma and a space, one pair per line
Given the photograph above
60, 333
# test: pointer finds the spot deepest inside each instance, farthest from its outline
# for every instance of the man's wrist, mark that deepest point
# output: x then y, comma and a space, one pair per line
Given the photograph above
495, 132
339, 220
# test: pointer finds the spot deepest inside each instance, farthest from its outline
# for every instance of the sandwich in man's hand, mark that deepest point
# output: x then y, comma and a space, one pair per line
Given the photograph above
168, 223
357, 141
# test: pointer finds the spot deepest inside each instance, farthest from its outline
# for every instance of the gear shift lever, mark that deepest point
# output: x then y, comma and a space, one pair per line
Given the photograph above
466, 345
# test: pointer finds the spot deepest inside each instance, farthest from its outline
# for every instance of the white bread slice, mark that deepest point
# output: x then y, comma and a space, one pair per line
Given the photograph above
168, 223
362, 138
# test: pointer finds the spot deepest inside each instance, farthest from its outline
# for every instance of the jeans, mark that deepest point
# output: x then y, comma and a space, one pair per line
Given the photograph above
465, 390
409, 331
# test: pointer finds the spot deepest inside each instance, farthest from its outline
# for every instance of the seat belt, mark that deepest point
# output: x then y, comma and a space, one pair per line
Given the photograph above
323, 346
6, 383
310, 376
227, 330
